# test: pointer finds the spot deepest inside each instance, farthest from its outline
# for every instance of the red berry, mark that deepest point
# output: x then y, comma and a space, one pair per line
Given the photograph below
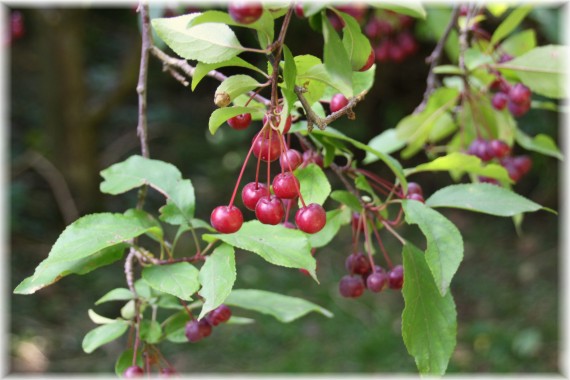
351, 286
226, 219
518, 110
405, 21
522, 163
269, 210
133, 371
252, 192
382, 51
338, 101
245, 12
197, 330
492, 181
407, 42
17, 29
219, 315
480, 148
269, 148
416, 197
286, 185
311, 218
414, 188
376, 281
357, 263
396, 53
499, 148
519, 94
290, 159
369, 61
396, 277
310, 156
500, 100
240, 121
299, 10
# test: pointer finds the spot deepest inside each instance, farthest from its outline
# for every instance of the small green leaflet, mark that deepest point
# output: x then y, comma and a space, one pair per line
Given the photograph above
118, 294
137, 171
221, 115
275, 244
236, 85
209, 43
429, 321
314, 185
335, 220
542, 69
99, 319
444, 242
202, 69
103, 334
314, 85
348, 199
285, 308
217, 277
336, 59
520, 43
482, 197
540, 143
386, 142
179, 279
510, 23
355, 42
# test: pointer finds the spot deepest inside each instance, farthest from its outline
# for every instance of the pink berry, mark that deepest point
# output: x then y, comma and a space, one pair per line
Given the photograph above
396, 54
299, 10
396, 277
522, 163
408, 43
167, 372
519, 94
518, 109
377, 281
338, 101
226, 219
245, 12
252, 192
500, 100
133, 371
369, 61
492, 181
499, 148
240, 121
197, 330
416, 197
382, 51
311, 219
290, 159
351, 286
286, 185
414, 188
269, 210
357, 263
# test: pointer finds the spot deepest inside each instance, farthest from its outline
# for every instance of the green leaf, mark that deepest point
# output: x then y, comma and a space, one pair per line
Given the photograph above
275, 244
99, 319
542, 69
48, 273
174, 327
221, 115
510, 23
217, 277
319, 73
289, 69
461, 163
444, 243
448, 69
240, 321
482, 197
128, 311
125, 360
179, 279
314, 185
285, 308
355, 42
386, 142
147, 220
202, 69
236, 85
410, 8
313, 84
336, 59
540, 143
150, 331
103, 334
335, 220
209, 43
519, 43
347, 198
118, 294
363, 80
137, 171
497, 9
311, 8
429, 321
475, 58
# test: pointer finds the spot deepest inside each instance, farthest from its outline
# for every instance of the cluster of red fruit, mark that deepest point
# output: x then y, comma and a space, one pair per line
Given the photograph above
486, 150
516, 98
363, 274
197, 330
135, 371
391, 37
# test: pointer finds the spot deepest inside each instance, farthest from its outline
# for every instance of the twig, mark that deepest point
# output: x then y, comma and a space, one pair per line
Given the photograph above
434, 58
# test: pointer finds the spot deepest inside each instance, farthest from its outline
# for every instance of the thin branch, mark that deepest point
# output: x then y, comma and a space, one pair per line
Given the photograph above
143, 74
434, 58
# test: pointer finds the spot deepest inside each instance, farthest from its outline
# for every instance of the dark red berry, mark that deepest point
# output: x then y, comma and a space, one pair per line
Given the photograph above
286, 185
382, 51
480, 148
310, 156
245, 12
357, 263
226, 219
17, 29
269, 210
522, 163
519, 94
407, 42
396, 277
299, 10
376, 281
197, 330
219, 315
492, 181
500, 100
290, 159
405, 21
252, 192
351, 286
396, 54
133, 371
240, 121
369, 61
268, 147
518, 110
311, 218
338, 101
414, 188
416, 197
499, 148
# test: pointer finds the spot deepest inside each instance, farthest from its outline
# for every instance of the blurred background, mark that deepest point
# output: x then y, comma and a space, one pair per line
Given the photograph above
73, 112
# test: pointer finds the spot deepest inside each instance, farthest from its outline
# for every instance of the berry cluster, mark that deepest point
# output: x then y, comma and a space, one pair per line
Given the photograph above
197, 330
516, 98
487, 150
391, 37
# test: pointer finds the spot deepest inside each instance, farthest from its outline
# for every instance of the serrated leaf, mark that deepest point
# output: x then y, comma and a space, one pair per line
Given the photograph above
510, 23
209, 43
355, 42
179, 279
519, 43
137, 171
314, 185
285, 308
237, 85
482, 197
386, 142
217, 277
540, 143
444, 242
202, 69
118, 294
145, 219
103, 334
150, 331
542, 69
348, 199
429, 321
319, 73
125, 360
221, 115
275, 244
336, 59
335, 220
